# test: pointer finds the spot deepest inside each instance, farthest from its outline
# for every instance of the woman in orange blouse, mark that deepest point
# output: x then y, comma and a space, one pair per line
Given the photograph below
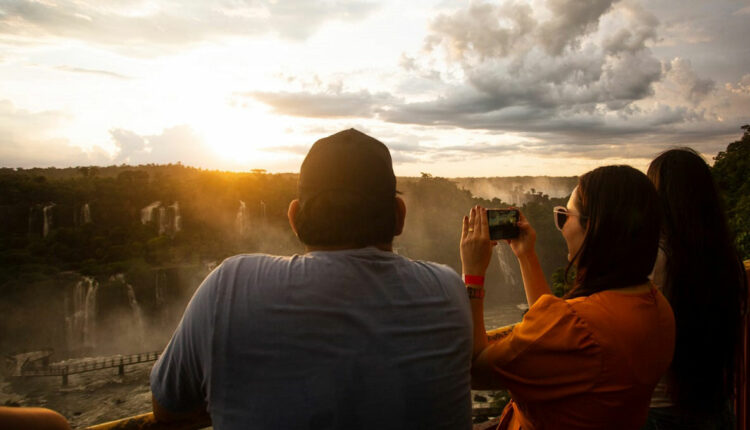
591, 359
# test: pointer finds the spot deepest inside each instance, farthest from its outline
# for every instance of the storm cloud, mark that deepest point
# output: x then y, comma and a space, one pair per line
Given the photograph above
578, 76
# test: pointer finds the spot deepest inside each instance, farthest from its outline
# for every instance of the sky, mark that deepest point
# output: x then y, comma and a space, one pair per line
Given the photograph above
453, 88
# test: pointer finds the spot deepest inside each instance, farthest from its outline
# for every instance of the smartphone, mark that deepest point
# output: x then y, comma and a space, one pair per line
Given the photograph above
503, 223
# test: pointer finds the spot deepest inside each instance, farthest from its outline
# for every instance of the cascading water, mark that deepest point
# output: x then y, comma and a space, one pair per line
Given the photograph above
241, 220
177, 218
163, 220
47, 212
507, 261
136, 324
147, 213
81, 322
136, 310
85, 214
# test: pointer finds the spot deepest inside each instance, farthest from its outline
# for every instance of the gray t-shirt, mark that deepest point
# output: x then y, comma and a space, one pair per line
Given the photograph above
349, 339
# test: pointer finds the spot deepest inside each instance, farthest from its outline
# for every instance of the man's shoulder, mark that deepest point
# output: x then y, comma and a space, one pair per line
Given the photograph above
441, 270
238, 269
247, 261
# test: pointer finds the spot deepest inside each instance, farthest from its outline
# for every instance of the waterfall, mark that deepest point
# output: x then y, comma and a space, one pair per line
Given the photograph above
47, 211
85, 214
177, 218
168, 219
241, 220
80, 324
89, 316
163, 220
147, 213
508, 264
135, 308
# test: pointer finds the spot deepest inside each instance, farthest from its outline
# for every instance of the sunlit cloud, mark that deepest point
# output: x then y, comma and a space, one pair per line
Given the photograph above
152, 28
457, 88
32, 139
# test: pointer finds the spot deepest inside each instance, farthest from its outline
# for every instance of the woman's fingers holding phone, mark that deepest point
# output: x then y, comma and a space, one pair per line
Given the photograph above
484, 225
476, 247
524, 243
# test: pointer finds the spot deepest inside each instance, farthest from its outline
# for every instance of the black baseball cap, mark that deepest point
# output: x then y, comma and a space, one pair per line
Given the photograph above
349, 162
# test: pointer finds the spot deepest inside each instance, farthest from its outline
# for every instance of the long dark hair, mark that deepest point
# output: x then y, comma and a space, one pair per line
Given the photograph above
620, 212
704, 282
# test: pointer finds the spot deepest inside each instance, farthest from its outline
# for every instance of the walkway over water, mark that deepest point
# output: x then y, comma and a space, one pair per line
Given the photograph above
32, 367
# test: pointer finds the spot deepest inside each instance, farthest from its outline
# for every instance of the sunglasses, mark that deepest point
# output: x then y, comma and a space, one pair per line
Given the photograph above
561, 214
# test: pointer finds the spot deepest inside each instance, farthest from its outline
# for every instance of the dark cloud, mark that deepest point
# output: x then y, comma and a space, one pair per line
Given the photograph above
693, 88
170, 24
516, 60
591, 124
571, 19
712, 34
584, 80
322, 105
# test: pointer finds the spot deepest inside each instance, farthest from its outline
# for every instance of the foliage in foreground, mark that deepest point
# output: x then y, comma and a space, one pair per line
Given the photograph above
732, 173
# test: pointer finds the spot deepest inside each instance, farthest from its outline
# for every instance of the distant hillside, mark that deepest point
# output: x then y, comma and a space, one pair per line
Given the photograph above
518, 189
511, 189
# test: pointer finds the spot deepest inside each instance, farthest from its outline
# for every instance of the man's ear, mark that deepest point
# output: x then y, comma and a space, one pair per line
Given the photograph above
291, 213
400, 216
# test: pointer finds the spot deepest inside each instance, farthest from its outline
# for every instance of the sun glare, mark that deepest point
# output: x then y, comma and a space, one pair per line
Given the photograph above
239, 135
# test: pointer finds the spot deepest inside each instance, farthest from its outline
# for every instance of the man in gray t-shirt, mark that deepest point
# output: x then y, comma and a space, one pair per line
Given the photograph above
348, 335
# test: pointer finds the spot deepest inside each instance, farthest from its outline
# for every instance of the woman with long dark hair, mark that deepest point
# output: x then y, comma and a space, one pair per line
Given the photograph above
701, 275
591, 359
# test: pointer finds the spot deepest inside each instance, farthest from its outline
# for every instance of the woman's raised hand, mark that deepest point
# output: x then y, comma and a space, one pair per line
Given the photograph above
476, 246
523, 245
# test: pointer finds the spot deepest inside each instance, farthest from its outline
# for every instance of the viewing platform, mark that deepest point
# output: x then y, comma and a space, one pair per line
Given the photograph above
37, 364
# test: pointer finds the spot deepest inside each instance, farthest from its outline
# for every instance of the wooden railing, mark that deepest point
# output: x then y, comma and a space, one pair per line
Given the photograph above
148, 422
119, 361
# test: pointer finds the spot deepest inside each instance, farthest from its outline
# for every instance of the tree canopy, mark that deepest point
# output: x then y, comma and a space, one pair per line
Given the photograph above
732, 173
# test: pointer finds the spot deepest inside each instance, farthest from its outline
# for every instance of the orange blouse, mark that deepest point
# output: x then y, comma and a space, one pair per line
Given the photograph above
584, 363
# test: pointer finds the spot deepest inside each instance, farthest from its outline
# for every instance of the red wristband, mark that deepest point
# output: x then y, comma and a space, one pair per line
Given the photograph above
475, 293
473, 280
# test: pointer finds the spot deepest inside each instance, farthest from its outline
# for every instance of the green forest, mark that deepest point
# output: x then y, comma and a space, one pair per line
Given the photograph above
731, 170
114, 237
